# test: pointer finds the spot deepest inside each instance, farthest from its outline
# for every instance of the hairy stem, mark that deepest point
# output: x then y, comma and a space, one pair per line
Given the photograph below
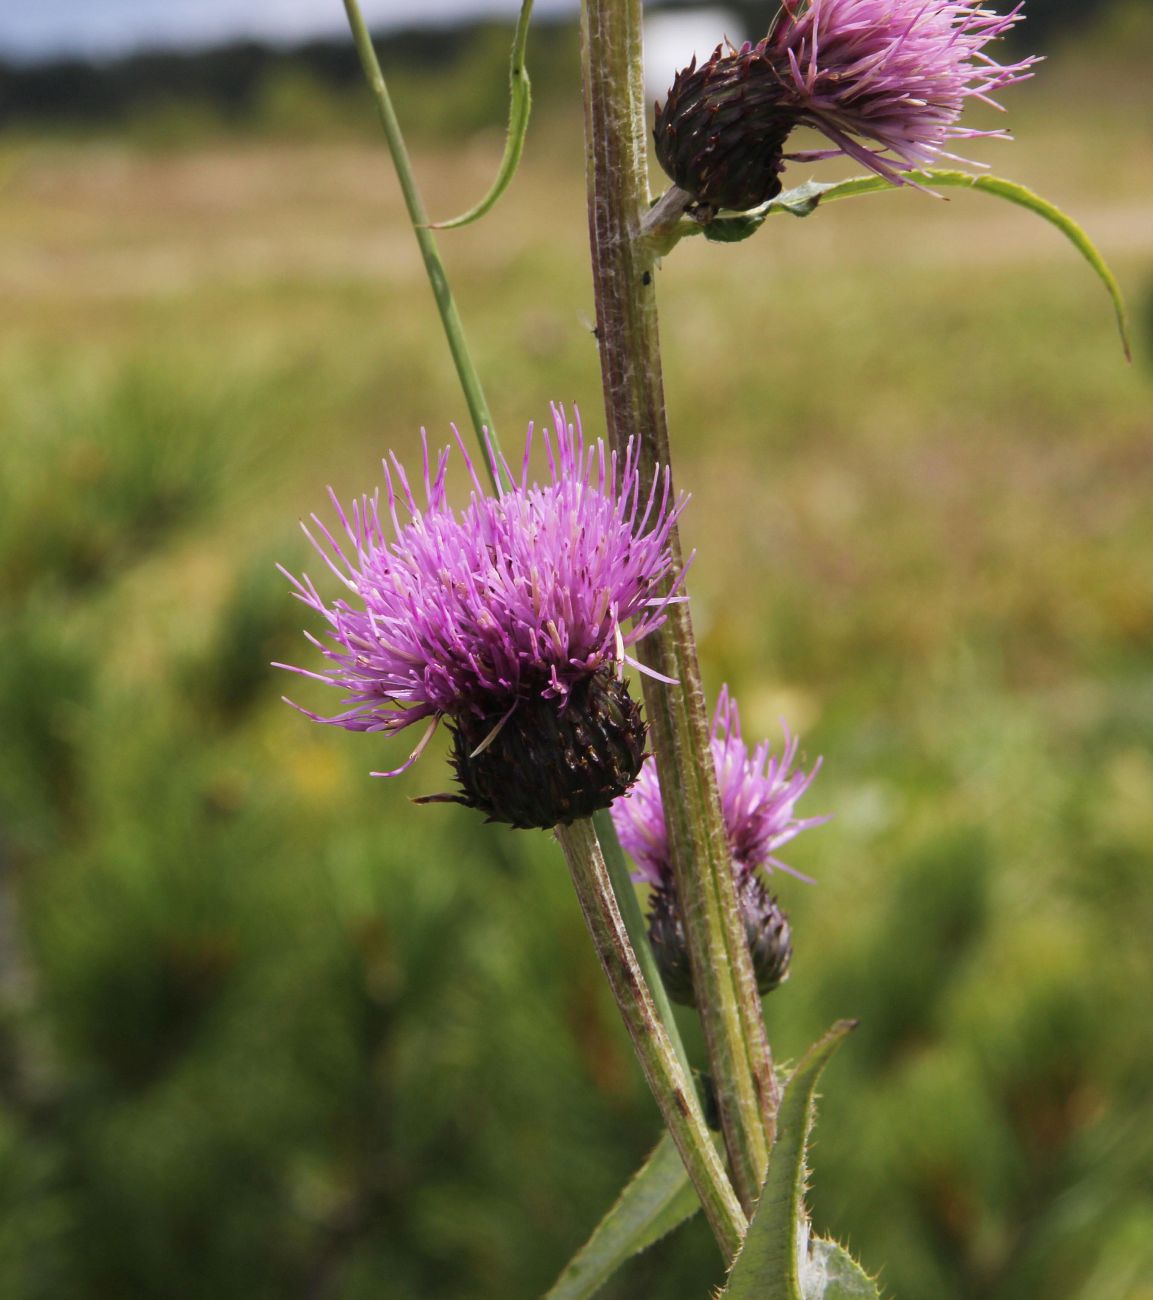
662, 1068
624, 271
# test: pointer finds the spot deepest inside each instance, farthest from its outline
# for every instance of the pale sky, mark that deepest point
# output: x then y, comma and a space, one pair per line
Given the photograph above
43, 28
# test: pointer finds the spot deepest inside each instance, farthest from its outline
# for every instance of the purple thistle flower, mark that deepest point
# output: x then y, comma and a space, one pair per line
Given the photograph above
897, 72
885, 81
758, 793
510, 618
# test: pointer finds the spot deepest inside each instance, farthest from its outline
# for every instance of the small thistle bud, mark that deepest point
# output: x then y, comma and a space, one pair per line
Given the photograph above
667, 937
720, 134
766, 932
546, 766
510, 619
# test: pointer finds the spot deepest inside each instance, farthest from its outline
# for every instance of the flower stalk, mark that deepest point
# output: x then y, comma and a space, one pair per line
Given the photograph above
662, 1067
433, 264
624, 268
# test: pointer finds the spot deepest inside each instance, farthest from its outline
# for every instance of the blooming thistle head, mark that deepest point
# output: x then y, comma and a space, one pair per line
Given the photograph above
885, 81
510, 618
759, 792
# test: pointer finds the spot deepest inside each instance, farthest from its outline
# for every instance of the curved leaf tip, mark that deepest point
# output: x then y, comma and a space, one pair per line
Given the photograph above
829, 1272
804, 199
772, 1262
519, 109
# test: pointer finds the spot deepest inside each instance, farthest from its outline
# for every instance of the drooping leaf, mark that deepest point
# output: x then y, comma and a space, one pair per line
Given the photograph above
768, 1265
519, 108
658, 1199
803, 200
829, 1272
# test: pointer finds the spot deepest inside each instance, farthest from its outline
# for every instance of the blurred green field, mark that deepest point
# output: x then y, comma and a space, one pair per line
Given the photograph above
267, 1030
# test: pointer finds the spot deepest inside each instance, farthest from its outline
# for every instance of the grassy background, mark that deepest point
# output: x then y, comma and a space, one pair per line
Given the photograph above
265, 1029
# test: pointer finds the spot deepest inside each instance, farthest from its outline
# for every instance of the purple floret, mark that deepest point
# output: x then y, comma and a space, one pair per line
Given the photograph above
895, 72
758, 793
517, 596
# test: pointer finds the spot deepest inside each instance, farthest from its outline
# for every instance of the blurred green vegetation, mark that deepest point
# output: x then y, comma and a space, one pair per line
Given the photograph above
265, 1028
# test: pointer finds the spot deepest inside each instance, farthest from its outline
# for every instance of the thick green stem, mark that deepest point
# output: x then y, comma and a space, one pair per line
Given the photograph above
437, 277
666, 1077
624, 271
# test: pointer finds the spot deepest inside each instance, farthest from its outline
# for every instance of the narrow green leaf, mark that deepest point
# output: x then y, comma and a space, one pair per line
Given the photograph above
831, 1273
803, 200
519, 108
767, 1266
658, 1199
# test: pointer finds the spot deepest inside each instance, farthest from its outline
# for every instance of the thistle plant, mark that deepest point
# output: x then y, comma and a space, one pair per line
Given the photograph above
517, 618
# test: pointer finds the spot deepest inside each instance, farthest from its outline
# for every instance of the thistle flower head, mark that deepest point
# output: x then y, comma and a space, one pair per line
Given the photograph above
884, 80
759, 792
511, 618
897, 73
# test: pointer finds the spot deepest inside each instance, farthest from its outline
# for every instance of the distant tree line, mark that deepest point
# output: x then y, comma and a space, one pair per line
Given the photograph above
231, 78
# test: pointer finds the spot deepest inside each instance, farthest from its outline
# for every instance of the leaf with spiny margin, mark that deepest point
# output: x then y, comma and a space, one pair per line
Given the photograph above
804, 199
519, 108
767, 1265
831, 1273
658, 1199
